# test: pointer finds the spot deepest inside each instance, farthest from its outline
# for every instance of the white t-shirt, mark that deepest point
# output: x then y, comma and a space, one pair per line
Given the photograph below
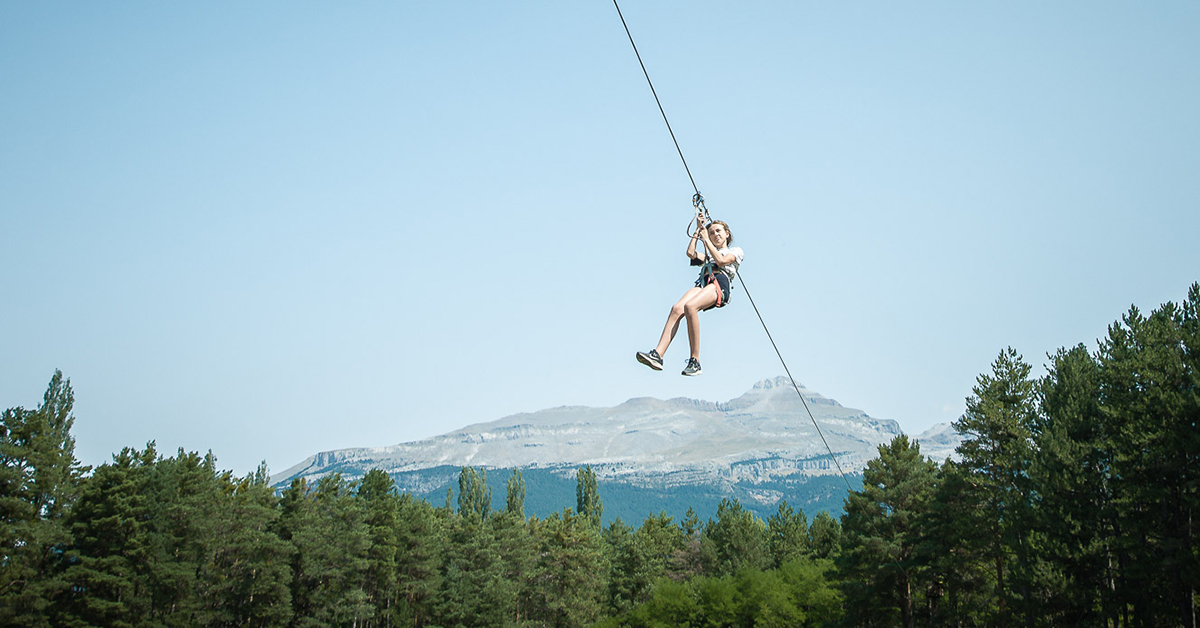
731, 268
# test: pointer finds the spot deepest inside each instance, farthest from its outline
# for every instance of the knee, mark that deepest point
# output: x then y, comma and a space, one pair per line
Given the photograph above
690, 310
679, 309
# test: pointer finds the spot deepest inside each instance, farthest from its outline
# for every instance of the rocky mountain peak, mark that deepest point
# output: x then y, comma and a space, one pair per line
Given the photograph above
677, 440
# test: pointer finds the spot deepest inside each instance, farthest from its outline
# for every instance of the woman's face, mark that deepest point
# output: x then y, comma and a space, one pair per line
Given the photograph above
717, 233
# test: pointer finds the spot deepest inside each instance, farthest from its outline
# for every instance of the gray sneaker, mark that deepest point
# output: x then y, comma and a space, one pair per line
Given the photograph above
650, 359
692, 368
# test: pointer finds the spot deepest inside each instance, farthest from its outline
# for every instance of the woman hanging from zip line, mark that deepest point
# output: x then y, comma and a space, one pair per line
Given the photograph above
718, 266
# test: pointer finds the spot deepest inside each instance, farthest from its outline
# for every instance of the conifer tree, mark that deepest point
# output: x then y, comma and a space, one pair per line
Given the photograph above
735, 540
109, 564
380, 503
663, 545
1149, 383
960, 589
1070, 472
474, 591
825, 535
572, 571
183, 493
39, 478
998, 425
421, 540
518, 557
880, 534
327, 527
787, 530
689, 561
245, 573
628, 579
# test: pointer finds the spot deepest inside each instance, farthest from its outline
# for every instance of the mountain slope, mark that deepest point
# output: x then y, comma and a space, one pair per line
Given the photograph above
751, 447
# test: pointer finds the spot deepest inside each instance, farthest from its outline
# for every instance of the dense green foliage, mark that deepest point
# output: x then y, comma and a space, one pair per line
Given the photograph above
1071, 503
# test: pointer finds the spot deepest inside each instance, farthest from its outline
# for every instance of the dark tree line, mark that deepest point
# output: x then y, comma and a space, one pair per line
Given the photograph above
1071, 503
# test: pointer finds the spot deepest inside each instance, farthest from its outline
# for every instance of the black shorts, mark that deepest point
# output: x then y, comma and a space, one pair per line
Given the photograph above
722, 281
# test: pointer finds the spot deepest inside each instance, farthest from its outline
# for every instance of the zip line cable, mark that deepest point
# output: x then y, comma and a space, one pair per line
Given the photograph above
793, 380
739, 275
660, 107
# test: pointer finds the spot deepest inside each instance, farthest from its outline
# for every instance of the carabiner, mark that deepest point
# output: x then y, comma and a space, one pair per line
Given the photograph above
698, 203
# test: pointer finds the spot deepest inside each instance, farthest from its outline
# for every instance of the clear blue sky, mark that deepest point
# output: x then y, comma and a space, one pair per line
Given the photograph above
273, 228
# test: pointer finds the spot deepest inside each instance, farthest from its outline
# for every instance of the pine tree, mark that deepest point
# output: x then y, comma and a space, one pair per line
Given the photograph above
109, 564
628, 579
327, 527
1071, 475
39, 480
998, 425
474, 591
518, 557
787, 530
244, 577
572, 570
421, 540
825, 536
960, 585
880, 534
735, 540
184, 494
641, 557
1149, 383
380, 504
663, 545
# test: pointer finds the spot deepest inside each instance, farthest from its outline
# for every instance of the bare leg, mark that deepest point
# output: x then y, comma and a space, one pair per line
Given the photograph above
673, 320
691, 310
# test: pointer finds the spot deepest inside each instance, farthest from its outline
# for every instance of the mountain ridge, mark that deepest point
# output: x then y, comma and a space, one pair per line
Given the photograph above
763, 434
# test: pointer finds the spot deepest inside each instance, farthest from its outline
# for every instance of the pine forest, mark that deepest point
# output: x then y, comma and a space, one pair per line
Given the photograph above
1071, 503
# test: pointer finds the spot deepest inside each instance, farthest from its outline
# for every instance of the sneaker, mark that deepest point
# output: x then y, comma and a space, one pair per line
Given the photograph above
651, 359
692, 368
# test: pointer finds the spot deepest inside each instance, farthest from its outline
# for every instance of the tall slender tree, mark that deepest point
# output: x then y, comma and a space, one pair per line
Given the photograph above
421, 540
39, 479
474, 494
1072, 514
380, 504
587, 496
514, 503
787, 531
999, 425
